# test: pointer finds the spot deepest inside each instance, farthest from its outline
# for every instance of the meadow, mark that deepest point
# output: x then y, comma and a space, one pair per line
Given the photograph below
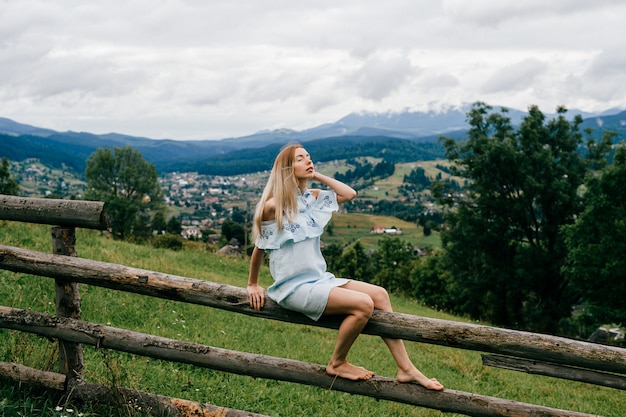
457, 369
351, 227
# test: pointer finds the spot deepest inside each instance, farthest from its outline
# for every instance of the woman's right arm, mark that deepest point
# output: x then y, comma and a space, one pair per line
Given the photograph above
256, 293
344, 191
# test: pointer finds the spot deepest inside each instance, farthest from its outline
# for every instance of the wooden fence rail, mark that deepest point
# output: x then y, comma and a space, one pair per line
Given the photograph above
65, 215
562, 355
548, 369
125, 399
418, 329
56, 212
262, 366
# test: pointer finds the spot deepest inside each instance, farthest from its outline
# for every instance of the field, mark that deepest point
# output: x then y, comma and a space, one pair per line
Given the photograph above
387, 188
457, 369
348, 228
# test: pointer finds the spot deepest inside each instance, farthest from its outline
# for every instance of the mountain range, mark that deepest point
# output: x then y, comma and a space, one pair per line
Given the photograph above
402, 136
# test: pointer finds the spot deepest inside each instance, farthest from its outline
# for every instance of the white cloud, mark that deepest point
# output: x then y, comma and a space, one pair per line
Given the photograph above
197, 69
519, 76
490, 13
379, 77
605, 79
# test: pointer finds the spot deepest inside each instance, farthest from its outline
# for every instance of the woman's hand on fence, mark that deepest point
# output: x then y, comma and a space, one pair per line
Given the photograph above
256, 295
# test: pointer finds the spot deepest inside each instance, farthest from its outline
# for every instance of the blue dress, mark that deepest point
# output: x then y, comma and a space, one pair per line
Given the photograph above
301, 282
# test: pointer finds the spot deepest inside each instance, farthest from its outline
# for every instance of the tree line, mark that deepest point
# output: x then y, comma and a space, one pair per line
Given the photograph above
534, 241
534, 238
366, 171
508, 244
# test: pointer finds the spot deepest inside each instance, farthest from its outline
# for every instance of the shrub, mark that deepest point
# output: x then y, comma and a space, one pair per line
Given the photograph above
168, 241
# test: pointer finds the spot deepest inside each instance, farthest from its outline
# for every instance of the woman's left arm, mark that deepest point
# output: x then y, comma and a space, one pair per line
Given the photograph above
344, 191
256, 293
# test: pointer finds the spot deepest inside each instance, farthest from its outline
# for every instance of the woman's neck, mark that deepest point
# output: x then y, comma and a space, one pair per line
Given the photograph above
302, 186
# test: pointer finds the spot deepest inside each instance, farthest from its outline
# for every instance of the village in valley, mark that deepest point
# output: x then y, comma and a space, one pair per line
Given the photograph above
201, 203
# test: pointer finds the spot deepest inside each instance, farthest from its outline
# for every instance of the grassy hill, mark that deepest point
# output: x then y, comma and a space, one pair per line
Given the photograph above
457, 369
350, 227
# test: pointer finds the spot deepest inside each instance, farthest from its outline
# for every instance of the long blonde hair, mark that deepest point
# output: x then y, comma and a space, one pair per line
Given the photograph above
282, 185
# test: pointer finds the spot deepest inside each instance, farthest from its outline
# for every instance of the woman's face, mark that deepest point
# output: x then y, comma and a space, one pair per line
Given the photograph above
302, 164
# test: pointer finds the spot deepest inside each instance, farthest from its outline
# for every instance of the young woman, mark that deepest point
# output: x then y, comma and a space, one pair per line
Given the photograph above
288, 222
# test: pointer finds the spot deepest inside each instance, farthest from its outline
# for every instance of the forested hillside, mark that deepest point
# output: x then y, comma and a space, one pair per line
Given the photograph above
173, 156
247, 154
323, 150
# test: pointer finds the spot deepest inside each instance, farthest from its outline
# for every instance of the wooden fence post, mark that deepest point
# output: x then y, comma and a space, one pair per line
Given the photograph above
67, 305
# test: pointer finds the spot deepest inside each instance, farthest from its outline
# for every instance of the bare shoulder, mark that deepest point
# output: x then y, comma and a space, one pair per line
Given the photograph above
269, 209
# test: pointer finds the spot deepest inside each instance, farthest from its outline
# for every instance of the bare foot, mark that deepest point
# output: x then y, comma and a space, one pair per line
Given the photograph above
414, 375
348, 371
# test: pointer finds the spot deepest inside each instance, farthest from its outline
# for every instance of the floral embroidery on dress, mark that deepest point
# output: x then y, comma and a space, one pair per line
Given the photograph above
305, 203
314, 214
326, 201
290, 227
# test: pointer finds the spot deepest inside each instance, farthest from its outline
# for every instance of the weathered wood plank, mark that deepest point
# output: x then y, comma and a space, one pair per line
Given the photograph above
261, 366
24, 374
156, 405
122, 397
67, 302
55, 212
418, 329
556, 371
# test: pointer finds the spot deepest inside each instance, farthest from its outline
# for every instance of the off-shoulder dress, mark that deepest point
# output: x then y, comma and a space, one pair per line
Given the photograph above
301, 282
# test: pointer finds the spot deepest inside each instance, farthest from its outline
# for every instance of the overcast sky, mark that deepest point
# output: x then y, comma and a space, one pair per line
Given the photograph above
211, 69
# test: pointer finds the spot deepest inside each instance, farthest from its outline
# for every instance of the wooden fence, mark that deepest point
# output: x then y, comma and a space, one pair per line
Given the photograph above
522, 351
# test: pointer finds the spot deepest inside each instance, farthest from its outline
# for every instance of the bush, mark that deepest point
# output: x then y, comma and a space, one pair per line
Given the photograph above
168, 241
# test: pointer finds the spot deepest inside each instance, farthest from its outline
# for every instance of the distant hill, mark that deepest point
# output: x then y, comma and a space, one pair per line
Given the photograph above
9, 127
614, 122
401, 137
323, 150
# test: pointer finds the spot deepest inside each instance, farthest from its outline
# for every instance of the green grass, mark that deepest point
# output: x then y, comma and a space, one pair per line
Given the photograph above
457, 369
350, 227
387, 188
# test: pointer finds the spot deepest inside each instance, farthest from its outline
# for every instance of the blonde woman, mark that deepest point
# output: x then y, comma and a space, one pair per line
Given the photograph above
288, 222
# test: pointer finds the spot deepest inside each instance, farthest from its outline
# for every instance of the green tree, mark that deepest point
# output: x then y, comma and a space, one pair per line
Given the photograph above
174, 226
233, 230
158, 221
416, 180
503, 237
238, 216
330, 229
332, 255
355, 263
8, 185
595, 266
393, 260
430, 279
128, 185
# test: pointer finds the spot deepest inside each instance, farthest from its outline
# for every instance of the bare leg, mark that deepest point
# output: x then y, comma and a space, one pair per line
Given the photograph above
407, 372
358, 308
